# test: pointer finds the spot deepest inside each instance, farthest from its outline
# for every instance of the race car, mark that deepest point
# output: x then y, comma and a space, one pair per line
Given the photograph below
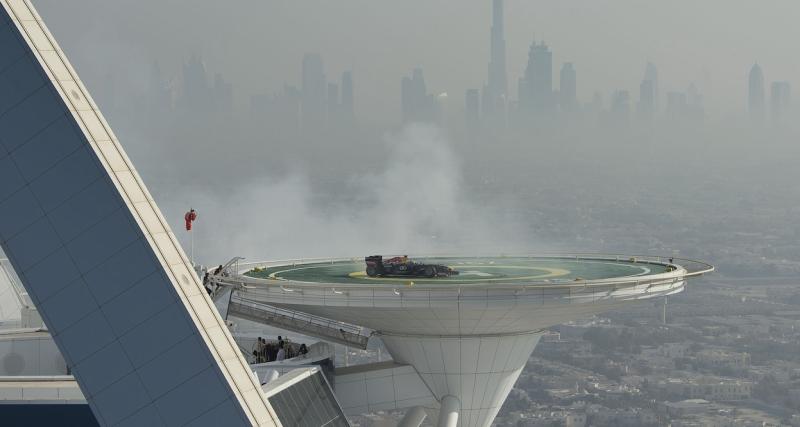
401, 266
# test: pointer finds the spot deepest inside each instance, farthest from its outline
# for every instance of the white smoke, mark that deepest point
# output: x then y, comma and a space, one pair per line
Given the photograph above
416, 204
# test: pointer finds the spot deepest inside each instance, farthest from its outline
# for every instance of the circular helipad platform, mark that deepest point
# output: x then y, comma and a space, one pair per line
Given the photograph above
491, 295
501, 270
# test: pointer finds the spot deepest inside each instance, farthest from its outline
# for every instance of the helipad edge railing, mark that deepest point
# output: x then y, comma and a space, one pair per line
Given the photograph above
689, 268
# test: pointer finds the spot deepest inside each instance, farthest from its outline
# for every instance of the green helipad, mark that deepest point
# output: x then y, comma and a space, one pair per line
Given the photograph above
503, 270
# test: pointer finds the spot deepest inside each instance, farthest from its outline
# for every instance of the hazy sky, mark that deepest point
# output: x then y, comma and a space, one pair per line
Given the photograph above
258, 44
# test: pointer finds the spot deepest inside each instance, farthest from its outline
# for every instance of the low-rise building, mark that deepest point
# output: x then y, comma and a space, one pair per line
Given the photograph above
685, 407
724, 358
715, 389
674, 349
565, 418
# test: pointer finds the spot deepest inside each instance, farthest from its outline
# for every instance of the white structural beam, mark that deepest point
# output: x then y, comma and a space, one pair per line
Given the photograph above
98, 259
413, 418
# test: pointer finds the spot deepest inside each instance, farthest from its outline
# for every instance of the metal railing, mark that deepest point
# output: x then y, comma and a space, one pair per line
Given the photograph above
305, 323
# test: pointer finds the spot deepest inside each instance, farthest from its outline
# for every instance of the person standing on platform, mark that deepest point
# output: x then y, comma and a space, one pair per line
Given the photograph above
260, 347
281, 352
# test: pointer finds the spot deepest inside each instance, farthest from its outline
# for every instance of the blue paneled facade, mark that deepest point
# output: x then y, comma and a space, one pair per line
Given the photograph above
79, 251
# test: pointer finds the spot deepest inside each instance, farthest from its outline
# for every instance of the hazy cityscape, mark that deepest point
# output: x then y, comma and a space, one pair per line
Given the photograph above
532, 159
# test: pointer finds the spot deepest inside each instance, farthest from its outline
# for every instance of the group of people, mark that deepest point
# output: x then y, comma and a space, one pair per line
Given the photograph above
206, 284
271, 352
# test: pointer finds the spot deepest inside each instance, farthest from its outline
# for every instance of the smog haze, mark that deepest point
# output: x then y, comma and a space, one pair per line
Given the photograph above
209, 99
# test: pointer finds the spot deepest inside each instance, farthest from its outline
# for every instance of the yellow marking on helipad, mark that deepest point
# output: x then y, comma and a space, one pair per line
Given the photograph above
549, 272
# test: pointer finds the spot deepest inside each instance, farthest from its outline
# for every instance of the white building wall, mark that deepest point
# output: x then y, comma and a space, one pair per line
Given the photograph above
30, 353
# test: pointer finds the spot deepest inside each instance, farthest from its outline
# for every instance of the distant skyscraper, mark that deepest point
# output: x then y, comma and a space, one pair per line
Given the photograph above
648, 93
676, 105
417, 104
596, 105
197, 95
313, 91
222, 94
496, 90
406, 98
568, 88
686, 107
647, 99
621, 105
755, 99
195, 92
780, 99
651, 75
696, 104
348, 103
472, 108
280, 110
536, 88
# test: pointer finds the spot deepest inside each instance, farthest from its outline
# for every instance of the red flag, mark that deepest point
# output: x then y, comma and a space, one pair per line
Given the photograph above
189, 218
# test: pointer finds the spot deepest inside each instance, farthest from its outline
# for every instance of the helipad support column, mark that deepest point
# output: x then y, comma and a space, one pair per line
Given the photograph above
479, 371
448, 414
96, 256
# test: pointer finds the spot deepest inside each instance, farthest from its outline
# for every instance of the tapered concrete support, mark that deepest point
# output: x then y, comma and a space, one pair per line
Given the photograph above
414, 417
448, 414
477, 371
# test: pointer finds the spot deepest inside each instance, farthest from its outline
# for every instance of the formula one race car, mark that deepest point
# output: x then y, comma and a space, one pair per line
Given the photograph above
401, 267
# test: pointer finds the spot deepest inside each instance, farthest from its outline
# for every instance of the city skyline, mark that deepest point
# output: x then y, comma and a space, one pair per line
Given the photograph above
318, 103
605, 61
